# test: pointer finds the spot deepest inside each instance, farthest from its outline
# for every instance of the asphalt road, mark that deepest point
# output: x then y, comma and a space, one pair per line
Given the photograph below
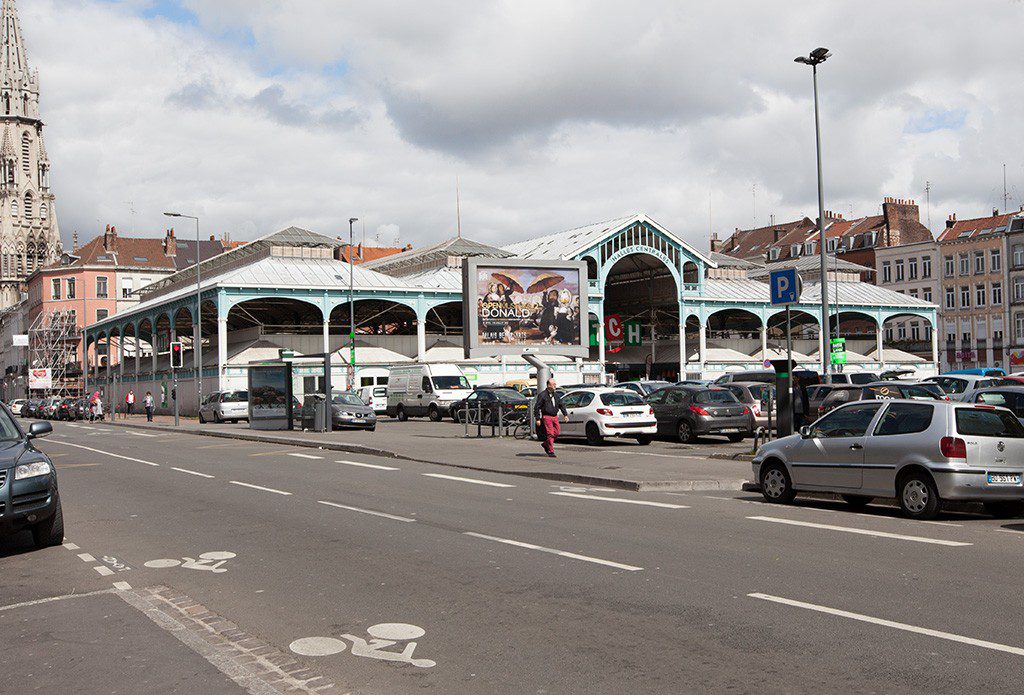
504, 584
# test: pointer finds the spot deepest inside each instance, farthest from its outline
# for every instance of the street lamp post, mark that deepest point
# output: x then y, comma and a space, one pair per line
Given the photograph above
199, 314
817, 57
351, 305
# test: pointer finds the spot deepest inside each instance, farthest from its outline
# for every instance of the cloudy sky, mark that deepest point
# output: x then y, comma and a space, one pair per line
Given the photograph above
258, 114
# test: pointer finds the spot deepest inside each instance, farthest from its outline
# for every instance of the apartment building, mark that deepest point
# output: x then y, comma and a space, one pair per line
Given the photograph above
1015, 290
914, 270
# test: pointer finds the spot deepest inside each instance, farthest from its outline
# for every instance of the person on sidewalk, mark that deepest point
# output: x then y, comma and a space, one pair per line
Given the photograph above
147, 402
129, 403
549, 404
97, 407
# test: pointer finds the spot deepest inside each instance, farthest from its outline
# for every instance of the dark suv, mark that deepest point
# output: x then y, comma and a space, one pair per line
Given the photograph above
28, 484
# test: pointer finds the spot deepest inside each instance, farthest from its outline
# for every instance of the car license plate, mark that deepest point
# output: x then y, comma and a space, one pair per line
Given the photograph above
730, 429
1003, 479
359, 421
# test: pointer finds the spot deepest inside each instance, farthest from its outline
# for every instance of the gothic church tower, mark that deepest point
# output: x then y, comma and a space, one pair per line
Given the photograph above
29, 237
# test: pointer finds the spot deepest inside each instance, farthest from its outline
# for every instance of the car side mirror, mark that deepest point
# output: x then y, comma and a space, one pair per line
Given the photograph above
39, 429
805, 432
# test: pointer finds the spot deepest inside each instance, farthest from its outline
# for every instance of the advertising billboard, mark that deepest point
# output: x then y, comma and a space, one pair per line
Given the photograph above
270, 393
513, 306
40, 379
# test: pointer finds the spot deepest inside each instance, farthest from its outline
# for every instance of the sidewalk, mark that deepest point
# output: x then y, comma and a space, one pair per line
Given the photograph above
625, 465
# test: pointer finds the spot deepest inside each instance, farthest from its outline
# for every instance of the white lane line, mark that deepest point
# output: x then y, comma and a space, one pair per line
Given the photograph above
185, 470
139, 434
72, 425
893, 624
553, 551
106, 453
103, 570
259, 487
920, 521
305, 456
369, 465
859, 531
86, 557
645, 503
122, 586
466, 480
71, 546
366, 511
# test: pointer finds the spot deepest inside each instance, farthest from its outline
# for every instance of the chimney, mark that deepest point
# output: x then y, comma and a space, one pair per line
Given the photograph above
74, 242
109, 238
213, 237
776, 233
170, 243
995, 211
950, 221
716, 243
902, 218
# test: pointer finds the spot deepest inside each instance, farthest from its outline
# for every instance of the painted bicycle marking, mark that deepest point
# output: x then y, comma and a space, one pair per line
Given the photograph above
115, 563
209, 561
382, 636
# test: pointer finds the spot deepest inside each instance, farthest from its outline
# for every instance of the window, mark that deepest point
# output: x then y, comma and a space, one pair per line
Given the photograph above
14, 208
995, 260
1018, 289
905, 418
926, 266
965, 339
1018, 255
1004, 399
899, 271
658, 396
26, 151
101, 287
71, 288
997, 293
926, 294
43, 210
618, 399
915, 331
809, 248
773, 254
979, 262
965, 297
55, 288
888, 335
965, 264
1018, 326
73, 316
886, 272
950, 298
832, 245
912, 269
901, 331
913, 293
988, 423
425, 385
102, 314
948, 263
127, 288
794, 250
28, 204
851, 421
979, 295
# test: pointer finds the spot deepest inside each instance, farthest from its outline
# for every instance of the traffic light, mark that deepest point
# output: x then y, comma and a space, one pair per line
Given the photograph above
177, 356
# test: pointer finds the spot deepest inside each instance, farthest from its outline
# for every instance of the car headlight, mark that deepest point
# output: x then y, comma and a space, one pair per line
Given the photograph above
32, 470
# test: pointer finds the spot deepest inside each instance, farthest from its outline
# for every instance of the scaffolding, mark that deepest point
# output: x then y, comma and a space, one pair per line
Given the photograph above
53, 340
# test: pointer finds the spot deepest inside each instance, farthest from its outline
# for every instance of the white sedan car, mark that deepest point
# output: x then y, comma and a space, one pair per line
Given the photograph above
596, 413
16, 405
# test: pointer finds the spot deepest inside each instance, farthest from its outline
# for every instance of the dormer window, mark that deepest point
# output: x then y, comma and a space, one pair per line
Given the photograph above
809, 248
773, 254
832, 245
794, 250
870, 238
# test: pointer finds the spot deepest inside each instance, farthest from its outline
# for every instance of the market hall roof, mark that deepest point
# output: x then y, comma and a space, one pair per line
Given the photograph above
440, 255
809, 264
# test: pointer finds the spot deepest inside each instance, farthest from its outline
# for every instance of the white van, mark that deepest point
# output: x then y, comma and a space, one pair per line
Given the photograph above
376, 397
425, 389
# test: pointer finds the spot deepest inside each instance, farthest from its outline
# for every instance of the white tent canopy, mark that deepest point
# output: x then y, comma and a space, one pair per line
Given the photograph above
894, 356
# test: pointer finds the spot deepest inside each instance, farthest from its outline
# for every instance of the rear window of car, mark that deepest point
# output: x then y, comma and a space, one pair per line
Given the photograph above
883, 392
863, 378
235, 397
988, 423
905, 418
621, 399
952, 385
715, 396
380, 391
760, 392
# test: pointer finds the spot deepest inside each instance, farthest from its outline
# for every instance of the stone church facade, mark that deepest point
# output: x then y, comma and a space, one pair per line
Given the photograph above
29, 236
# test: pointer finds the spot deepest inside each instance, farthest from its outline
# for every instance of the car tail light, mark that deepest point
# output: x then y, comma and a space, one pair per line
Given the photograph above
985, 407
746, 410
605, 411
698, 410
650, 410
953, 448
821, 410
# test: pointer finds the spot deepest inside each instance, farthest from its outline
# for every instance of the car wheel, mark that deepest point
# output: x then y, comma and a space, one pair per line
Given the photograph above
434, 414
402, 417
917, 496
644, 439
1008, 509
737, 438
593, 434
776, 485
51, 531
202, 420
685, 432
857, 501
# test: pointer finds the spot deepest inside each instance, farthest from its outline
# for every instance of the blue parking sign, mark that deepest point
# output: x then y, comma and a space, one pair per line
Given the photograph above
784, 286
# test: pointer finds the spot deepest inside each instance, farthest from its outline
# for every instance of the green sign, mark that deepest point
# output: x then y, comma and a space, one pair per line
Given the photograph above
838, 350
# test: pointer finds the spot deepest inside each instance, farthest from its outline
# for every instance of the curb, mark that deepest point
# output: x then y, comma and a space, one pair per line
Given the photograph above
567, 477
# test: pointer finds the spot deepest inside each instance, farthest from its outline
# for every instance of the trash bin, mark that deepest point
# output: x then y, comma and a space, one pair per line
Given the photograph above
314, 413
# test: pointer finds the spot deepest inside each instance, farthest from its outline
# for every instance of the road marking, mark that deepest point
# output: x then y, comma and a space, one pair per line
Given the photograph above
366, 511
104, 571
260, 487
51, 599
271, 453
140, 434
859, 531
920, 521
305, 456
369, 465
893, 624
86, 557
76, 465
217, 446
553, 551
71, 546
122, 586
664, 505
107, 453
185, 470
466, 480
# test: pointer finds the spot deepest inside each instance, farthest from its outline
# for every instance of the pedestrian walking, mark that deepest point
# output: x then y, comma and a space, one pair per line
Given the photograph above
97, 407
549, 404
147, 402
129, 402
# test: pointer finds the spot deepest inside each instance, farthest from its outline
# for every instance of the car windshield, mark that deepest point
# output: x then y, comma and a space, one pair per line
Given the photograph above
624, 398
450, 382
347, 399
235, 397
983, 422
715, 396
508, 395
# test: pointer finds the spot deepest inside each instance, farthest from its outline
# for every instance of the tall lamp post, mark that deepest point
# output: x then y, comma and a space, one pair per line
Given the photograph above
816, 58
351, 305
199, 313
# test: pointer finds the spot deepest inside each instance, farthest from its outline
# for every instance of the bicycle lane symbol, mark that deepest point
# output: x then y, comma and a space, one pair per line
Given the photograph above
210, 562
382, 636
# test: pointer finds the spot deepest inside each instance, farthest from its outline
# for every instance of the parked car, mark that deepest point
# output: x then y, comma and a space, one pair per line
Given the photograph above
765, 376
920, 452
488, 401
597, 412
828, 396
425, 389
880, 390
853, 378
376, 397
225, 406
30, 408
16, 404
980, 371
895, 374
64, 409
642, 387
695, 382
689, 412
1009, 397
757, 396
81, 409
28, 484
955, 385
348, 411
48, 408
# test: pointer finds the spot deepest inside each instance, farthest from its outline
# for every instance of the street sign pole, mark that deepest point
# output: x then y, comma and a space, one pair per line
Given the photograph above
174, 393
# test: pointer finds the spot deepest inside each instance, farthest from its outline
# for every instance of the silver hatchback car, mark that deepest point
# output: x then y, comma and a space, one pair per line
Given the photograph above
225, 406
920, 452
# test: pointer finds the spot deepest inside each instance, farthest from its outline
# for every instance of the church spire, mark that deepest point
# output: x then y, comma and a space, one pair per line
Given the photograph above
13, 61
